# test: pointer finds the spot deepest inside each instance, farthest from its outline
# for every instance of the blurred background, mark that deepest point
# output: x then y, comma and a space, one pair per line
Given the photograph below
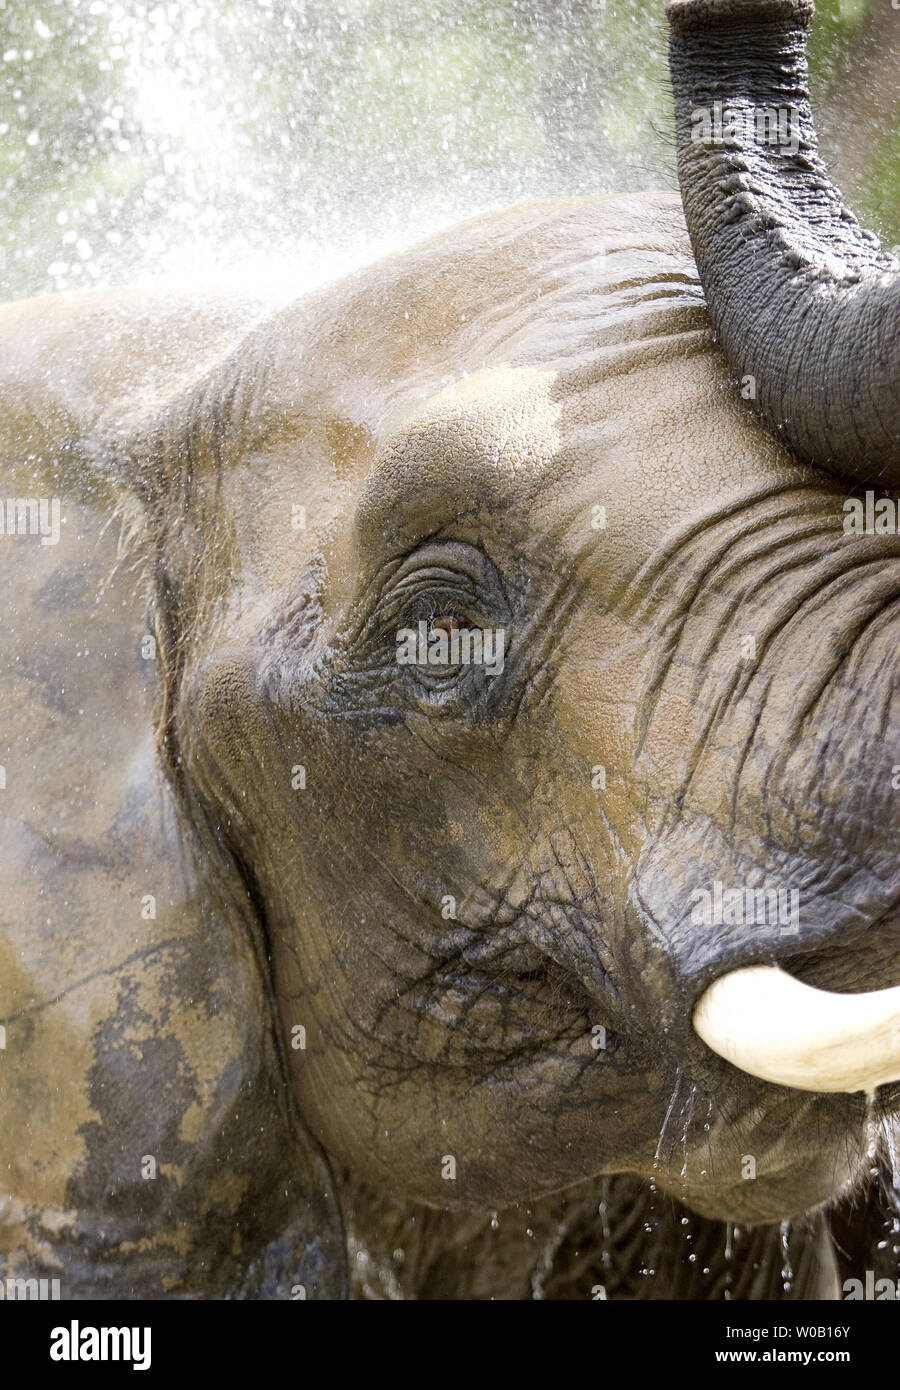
284, 141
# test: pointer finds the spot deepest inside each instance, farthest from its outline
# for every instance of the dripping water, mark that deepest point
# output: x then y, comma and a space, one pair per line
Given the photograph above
787, 1272
651, 1223
891, 1186
871, 1132
603, 1212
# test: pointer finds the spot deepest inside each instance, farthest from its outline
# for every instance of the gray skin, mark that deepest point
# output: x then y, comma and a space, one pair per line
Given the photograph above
445, 900
801, 296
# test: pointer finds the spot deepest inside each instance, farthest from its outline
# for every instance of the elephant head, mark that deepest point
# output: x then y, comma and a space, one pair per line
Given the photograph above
631, 892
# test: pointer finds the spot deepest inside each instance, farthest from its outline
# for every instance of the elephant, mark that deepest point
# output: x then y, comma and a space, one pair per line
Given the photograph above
342, 961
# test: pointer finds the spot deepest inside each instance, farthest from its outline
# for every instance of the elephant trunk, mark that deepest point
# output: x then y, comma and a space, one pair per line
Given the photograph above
804, 301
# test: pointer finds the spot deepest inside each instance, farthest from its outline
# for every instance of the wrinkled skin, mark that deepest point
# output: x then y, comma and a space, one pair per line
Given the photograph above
801, 296
449, 462
475, 499
449, 420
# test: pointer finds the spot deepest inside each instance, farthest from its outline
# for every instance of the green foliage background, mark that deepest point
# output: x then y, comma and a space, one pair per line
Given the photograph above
289, 140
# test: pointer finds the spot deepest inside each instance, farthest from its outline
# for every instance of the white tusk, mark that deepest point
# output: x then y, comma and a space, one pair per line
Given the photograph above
777, 1028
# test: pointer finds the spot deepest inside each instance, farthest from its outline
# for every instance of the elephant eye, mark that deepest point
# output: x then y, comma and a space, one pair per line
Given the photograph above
450, 656
450, 623
443, 623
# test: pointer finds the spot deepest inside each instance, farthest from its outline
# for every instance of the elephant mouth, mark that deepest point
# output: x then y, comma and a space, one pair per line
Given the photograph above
504, 1012
772, 1026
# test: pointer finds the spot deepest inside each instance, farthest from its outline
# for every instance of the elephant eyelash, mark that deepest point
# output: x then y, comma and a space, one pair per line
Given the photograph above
408, 612
449, 622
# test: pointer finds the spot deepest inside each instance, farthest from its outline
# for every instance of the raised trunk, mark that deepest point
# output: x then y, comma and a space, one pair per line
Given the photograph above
804, 301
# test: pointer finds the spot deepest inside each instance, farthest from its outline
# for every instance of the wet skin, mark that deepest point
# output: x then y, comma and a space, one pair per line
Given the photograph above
460, 481
450, 421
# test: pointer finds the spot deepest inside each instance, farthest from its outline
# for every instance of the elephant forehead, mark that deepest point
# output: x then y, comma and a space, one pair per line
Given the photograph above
527, 446
483, 440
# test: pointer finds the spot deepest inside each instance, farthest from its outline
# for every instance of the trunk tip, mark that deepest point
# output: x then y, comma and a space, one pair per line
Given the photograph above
705, 14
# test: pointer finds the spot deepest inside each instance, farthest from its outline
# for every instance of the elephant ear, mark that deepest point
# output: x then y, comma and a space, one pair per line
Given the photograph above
149, 1145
